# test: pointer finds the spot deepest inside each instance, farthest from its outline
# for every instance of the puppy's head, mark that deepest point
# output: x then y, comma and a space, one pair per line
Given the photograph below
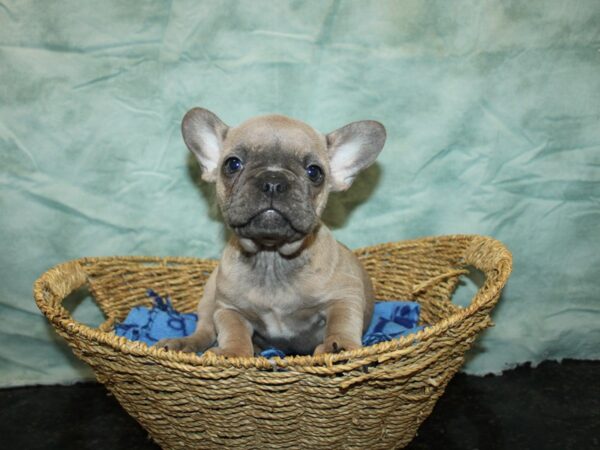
273, 174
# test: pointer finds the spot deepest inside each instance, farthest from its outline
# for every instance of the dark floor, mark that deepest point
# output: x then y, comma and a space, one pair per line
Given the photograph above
554, 406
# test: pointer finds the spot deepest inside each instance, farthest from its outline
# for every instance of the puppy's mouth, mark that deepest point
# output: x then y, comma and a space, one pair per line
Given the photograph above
268, 227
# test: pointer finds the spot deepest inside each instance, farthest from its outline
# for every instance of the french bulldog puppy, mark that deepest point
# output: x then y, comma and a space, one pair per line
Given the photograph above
283, 280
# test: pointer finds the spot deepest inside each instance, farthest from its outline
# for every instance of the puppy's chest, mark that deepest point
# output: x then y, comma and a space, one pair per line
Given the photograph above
277, 296
277, 324
280, 312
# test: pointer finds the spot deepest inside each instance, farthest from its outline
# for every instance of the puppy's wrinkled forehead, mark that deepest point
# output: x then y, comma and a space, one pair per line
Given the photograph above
266, 133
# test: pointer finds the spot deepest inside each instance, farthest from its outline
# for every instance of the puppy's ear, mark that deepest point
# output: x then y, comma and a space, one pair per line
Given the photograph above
353, 148
204, 133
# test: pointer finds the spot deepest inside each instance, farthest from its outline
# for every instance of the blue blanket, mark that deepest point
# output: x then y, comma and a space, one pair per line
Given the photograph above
390, 320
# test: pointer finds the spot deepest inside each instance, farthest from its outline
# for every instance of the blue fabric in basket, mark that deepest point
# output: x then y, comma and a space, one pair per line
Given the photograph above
390, 320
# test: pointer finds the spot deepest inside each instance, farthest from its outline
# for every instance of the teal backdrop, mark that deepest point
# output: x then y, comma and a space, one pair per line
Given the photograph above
493, 117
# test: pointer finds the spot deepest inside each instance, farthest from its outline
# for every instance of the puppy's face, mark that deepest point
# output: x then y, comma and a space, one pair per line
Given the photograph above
273, 173
271, 180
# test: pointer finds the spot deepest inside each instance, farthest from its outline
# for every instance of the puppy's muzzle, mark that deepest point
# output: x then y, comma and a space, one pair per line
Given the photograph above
272, 211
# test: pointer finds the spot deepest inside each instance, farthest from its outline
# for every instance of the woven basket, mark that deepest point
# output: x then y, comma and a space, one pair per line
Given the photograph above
372, 398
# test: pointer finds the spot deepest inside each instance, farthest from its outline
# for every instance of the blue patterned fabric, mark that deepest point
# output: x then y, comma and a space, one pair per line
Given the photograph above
390, 320
150, 325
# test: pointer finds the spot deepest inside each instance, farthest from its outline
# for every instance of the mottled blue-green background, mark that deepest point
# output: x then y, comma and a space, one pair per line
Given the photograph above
493, 117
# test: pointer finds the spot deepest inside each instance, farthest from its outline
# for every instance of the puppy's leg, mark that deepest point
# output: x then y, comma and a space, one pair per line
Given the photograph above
343, 330
203, 338
205, 334
234, 333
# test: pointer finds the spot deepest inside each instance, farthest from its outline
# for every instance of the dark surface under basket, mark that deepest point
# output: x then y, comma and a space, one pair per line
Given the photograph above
525, 408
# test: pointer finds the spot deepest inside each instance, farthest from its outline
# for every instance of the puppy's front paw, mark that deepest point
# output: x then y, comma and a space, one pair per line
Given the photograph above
335, 344
232, 352
188, 344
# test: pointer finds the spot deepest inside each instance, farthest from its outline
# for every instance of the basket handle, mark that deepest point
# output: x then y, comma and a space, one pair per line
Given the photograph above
54, 286
490, 257
494, 260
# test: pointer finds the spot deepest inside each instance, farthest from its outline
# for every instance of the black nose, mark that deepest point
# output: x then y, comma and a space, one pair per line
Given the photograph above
273, 183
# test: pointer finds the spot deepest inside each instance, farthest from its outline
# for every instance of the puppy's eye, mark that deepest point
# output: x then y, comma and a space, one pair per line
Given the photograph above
232, 165
315, 173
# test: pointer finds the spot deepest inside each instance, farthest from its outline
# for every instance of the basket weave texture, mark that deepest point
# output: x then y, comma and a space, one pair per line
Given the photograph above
372, 398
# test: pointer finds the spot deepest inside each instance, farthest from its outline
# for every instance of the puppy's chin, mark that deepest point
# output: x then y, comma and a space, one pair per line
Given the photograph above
270, 230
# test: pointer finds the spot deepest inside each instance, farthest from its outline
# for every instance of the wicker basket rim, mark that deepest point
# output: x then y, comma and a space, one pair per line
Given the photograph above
322, 364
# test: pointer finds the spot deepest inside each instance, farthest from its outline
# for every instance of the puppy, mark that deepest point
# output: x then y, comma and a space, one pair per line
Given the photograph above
283, 280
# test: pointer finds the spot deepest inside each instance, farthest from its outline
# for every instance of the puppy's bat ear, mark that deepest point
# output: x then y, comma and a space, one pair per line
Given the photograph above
204, 133
353, 148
